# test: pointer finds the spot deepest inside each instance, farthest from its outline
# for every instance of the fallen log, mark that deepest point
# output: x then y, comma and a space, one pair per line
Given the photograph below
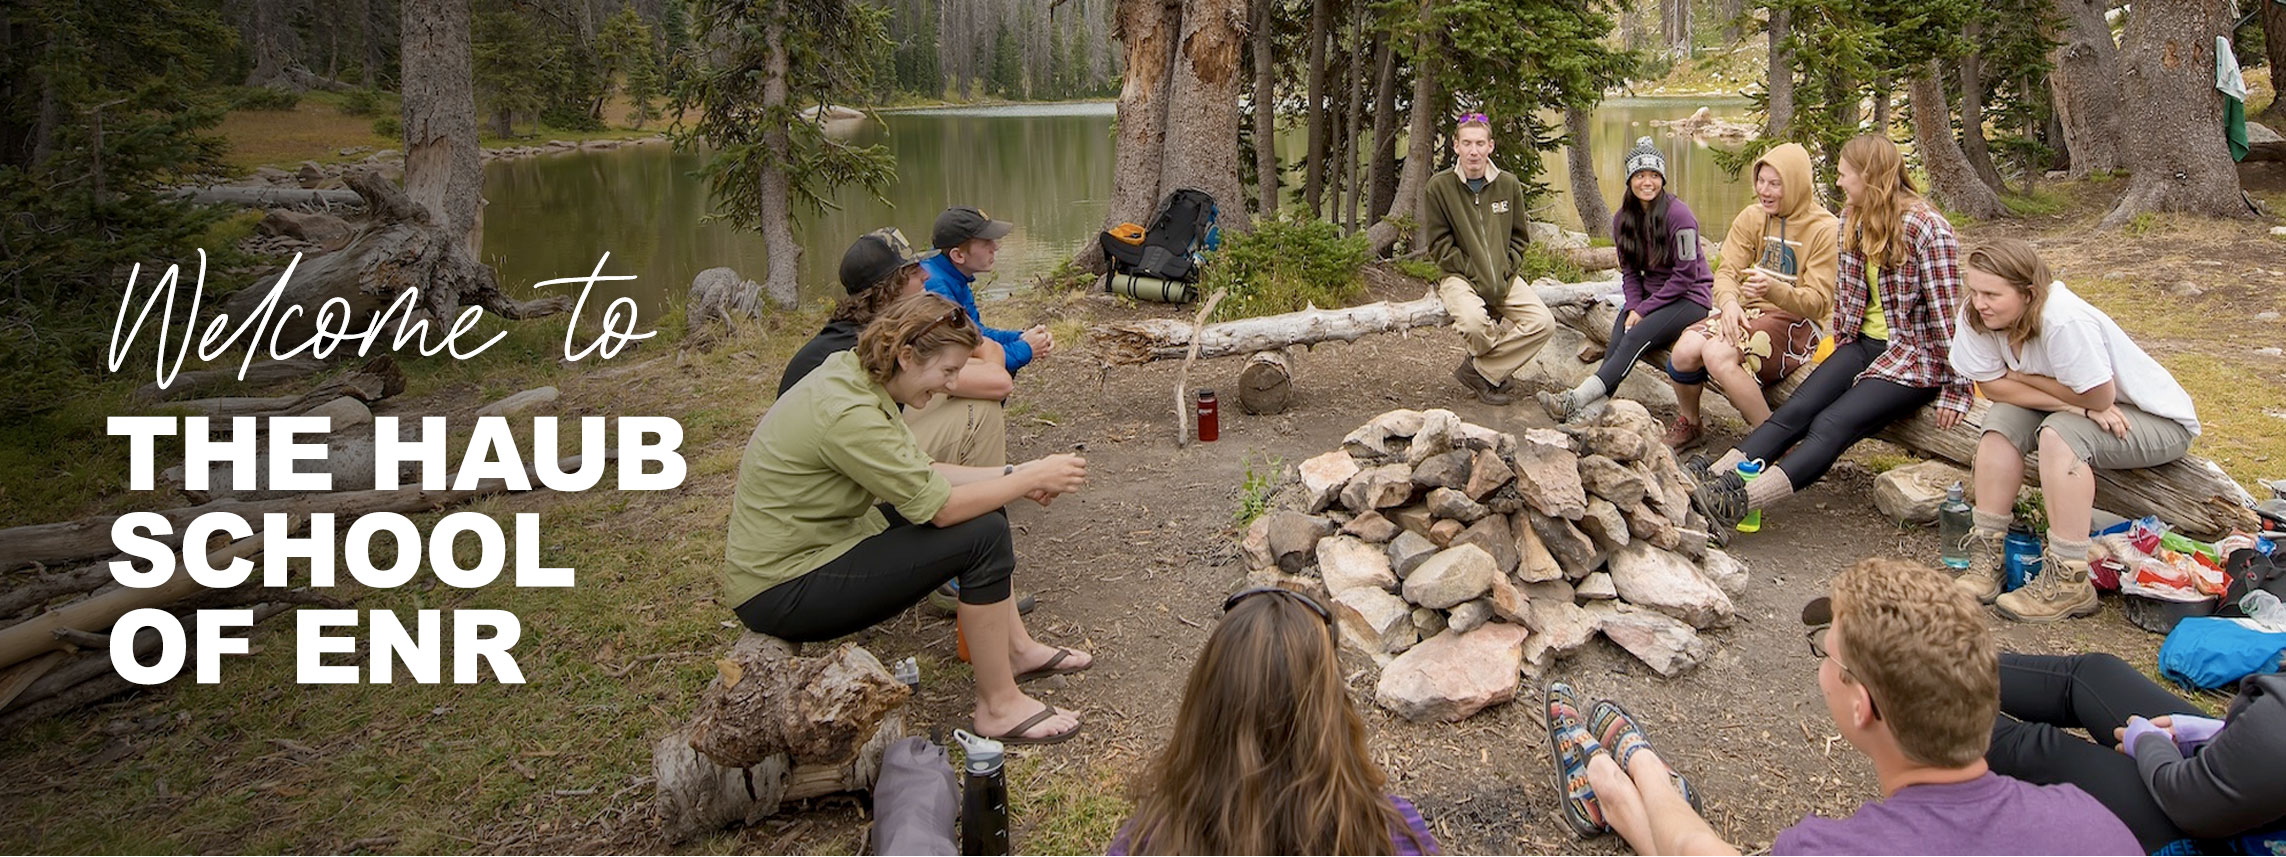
269, 197
90, 677
24, 594
772, 727
1266, 385
2190, 493
70, 541
378, 379
202, 380
1123, 343
36, 636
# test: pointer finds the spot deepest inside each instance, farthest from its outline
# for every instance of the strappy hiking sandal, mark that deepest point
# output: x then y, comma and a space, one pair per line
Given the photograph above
1622, 736
1050, 669
1017, 736
1570, 745
1722, 499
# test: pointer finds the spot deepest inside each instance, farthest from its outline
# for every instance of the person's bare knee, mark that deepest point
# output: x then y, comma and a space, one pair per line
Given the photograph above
1688, 353
2054, 451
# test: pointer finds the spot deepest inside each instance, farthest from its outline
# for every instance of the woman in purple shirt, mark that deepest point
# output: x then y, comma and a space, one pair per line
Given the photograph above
1662, 274
1268, 755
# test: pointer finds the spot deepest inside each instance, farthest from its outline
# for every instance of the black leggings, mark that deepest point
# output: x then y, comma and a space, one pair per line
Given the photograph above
881, 576
1831, 411
2042, 695
1657, 330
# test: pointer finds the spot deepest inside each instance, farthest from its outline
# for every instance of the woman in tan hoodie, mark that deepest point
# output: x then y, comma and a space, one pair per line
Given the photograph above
1773, 290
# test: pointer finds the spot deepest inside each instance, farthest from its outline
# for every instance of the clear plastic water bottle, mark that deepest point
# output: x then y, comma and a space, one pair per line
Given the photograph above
1954, 519
984, 796
2264, 608
1747, 471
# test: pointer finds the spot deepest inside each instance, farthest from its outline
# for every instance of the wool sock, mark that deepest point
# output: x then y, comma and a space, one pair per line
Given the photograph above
1728, 462
1990, 523
1770, 487
2075, 550
1588, 391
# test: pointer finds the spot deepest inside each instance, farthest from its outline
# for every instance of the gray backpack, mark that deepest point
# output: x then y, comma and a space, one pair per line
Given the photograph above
916, 800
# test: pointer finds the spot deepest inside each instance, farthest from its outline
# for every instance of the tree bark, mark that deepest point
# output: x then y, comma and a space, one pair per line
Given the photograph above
1314, 171
1202, 108
1122, 343
1779, 114
1146, 32
1420, 148
1266, 385
2274, 48
2087, 86
443, 169
781, 280
1675, 26
1381, 175
1354, 125
1973, 144
1587, 191
1951, 179
1265, 112
2175, 151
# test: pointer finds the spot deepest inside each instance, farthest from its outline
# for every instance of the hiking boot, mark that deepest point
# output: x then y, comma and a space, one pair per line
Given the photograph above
1722, 499
1486, 391
1563, 407
945, 600
1984, 576
1683, 435
2061, 591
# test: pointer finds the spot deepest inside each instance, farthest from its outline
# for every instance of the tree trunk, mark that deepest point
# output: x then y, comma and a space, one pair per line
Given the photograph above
1265, 112
2175, 152
1675, 27
2274, 47
442, 167
1973, 143
1587, 192
1202, 108
1951, 179
1420, 150
1780, 112
785, 253
1146, 33
1354, 125
1314, 171
1881, 98
2086, 81
1381, 176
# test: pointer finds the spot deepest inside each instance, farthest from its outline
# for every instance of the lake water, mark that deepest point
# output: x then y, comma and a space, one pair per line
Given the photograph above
1047, 168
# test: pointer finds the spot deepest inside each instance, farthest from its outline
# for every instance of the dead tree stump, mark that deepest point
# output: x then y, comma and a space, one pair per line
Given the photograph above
1266, 385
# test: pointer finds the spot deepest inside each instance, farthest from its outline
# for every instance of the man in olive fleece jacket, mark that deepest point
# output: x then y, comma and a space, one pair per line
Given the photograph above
1473, 221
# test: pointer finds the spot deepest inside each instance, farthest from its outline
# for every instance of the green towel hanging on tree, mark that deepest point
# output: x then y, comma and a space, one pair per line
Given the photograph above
2233, 87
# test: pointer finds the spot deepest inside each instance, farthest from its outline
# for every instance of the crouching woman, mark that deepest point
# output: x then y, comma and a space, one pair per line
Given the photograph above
2065, 382
810, 556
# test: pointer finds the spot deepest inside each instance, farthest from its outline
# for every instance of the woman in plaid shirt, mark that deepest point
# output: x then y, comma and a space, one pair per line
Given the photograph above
1896, 294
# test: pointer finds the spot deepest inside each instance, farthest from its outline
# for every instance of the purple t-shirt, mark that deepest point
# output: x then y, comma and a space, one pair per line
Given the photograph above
1991, 814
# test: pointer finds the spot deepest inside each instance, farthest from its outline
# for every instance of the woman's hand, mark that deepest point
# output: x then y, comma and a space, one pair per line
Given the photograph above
1062, 473
1732, 324
2111, 419
1632, 318
1947, 418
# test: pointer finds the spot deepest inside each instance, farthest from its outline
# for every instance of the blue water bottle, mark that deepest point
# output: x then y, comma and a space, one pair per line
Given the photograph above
1747, 471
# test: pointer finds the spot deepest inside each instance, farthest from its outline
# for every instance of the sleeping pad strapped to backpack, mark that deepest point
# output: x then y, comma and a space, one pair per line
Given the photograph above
1184, 221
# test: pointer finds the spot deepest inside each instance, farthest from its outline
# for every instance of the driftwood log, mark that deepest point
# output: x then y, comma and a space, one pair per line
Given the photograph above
1266, 385
37, 636
1163, 339
378, 379
2190, 493
269, 197
772, 727
399, 249
202, 380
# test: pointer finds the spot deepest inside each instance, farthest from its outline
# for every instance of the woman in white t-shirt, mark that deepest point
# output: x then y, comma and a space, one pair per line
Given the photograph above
2066, 382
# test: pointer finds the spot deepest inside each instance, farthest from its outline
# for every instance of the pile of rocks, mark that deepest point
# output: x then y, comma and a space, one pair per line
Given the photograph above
1459, 557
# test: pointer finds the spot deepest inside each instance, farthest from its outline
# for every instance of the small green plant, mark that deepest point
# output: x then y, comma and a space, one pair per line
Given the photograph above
2143, 224
363, 102
1285, 265
2038, 203
1254, 493
1419, 269
1540, 260
388, 126
2031, 512
265, 98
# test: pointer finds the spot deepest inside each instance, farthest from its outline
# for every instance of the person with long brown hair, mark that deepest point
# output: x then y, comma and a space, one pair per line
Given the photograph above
811, 556
1897, 285
2065, 381
1268, 755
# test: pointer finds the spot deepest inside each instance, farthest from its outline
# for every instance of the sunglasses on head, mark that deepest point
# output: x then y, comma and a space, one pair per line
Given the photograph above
1305, 600
955, 318
1475, 117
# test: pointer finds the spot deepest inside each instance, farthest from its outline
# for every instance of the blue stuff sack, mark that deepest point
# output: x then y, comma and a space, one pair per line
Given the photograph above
2209, 652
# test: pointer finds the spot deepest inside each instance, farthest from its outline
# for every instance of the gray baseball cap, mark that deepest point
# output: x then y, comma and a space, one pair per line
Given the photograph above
961, 223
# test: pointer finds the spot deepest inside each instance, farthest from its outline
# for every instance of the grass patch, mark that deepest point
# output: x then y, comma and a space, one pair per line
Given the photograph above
2041, 202
1419, 269
1541, 260
1065, 812
2242, 412
1286, 265
1255, 492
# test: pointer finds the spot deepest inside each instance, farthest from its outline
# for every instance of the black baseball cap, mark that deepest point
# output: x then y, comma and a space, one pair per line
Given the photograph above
961, 223
874, 256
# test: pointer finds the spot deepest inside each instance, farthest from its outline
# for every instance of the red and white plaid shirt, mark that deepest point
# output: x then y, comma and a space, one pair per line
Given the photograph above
1920, 298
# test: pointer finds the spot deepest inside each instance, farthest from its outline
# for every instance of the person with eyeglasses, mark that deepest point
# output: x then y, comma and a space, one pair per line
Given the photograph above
840, 520
1475, 227
1910, 675
1268, 754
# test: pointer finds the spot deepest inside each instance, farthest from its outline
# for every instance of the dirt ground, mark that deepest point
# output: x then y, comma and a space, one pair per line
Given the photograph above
1133, 569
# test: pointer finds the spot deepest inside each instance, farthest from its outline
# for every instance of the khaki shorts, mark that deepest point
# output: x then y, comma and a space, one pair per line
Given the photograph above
2151, 441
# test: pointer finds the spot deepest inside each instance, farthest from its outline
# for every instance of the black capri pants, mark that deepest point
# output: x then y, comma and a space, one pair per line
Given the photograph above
2042, 695
881, 576
1830, 412
1657, 330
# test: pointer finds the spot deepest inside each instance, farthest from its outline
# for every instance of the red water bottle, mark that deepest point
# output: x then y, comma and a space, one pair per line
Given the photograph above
1210, 424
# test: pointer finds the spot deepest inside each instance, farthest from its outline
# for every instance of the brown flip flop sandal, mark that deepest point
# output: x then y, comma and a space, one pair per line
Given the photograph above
1050, 669
1017, 736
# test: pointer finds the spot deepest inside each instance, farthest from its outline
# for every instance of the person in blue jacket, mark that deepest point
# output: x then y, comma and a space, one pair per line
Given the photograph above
970, 243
